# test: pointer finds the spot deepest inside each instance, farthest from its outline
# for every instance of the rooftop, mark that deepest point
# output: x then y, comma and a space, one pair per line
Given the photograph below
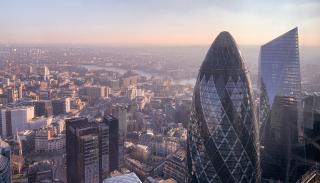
127, 178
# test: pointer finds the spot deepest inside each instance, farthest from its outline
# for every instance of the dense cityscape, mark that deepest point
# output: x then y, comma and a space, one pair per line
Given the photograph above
99, 115
170, 91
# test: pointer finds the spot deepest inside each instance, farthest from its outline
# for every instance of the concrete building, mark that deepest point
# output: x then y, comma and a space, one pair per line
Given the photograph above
142, 152
176, 167
43, 108
41, 172
41, 140
126, 178
13, 120
95, 92
56, 143
120, 112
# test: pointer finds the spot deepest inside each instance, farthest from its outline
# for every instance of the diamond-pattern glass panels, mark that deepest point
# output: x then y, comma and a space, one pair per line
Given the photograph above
221, 132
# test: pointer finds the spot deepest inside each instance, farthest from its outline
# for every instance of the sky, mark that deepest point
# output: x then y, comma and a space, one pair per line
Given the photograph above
156, 22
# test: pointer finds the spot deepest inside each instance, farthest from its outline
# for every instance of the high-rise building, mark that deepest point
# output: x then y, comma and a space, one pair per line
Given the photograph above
120, 112
5, 156
82, 147
116, 143
279, 73
280, 90
88, 152
222, 138
282, 134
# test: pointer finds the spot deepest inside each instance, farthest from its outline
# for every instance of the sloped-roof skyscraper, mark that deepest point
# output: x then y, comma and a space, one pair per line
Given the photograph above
280, 90
279, 74
280, 66
222, 138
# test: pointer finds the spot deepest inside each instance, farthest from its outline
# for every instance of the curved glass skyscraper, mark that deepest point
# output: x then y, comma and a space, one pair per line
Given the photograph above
222, 132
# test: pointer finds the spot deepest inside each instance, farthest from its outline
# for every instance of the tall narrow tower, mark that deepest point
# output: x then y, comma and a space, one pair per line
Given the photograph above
222, 144
279, 107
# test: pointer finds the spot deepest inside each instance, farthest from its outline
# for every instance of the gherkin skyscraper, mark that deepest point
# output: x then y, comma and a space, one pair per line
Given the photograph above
222, 138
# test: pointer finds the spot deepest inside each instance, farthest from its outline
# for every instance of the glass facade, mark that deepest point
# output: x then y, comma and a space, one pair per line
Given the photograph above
280, 90
222, 143
279, 74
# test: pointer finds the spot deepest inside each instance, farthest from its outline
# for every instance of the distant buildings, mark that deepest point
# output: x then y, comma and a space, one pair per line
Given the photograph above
95, 92
5, 167
222, 139
43, 108
44, 72
61, 106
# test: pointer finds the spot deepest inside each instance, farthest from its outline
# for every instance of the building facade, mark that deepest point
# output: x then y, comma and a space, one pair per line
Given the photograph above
222, 139
82, 147
280, 91
176, 167
5, 156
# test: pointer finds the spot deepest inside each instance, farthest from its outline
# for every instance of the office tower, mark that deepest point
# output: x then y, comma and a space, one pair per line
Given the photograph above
312, 128
104, 150
5, 156
43, 108
279, 73
222, 138
282, 134
116, 143
82, 149
87, 146
120, 112
280, 90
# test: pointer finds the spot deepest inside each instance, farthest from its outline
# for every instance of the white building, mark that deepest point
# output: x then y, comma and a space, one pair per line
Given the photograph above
15, 119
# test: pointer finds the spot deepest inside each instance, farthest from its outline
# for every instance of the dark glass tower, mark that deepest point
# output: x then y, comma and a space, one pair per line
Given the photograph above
222, 143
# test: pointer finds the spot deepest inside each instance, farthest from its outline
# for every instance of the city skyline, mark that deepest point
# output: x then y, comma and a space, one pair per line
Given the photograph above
178, 91
154, 23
